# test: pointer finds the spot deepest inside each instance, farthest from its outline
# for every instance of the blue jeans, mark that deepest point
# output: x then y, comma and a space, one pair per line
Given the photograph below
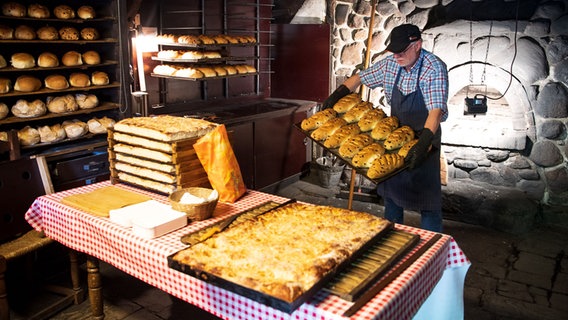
430, 219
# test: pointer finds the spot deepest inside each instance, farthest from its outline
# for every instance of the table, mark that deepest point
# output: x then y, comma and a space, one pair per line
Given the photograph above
146, 259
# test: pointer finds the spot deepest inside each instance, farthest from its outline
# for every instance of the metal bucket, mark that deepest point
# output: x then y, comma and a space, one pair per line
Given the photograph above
329, 173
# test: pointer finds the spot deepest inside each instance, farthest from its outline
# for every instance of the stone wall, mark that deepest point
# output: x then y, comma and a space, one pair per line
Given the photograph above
525, 167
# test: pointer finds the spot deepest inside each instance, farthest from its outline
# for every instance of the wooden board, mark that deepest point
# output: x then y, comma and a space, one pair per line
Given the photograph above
101, 201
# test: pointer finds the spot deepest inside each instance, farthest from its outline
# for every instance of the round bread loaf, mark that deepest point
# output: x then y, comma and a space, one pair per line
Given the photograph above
62, 104
86, 101
75, 128
72, 58
5, 85
6, 33
47, 60
100, 78
101, 125
64, 12
3, 63
91, 57
27, 83
89, 33
25, 109
13, 9
47, 33
28, 136
51, 133
3, 110
38, 11
79, 80
68, 33
164, 69
86, 12
24, 32
22, 60
56, 82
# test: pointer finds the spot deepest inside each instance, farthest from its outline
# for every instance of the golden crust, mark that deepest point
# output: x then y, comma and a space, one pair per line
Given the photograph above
370, 119
346, 103
341, 135
165, 128
385, 165
399, 137
365, 157
403, 151
327, 129
382, 130
357, 112
318, 119
353, 145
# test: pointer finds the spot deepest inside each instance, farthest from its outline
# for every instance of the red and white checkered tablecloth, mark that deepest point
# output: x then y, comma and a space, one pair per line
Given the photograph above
147, 260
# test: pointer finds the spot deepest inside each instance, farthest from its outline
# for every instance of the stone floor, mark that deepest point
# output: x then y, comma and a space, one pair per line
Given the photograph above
511, 276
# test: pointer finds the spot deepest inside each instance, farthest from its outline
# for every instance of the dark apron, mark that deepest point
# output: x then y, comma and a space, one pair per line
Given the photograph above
419, 188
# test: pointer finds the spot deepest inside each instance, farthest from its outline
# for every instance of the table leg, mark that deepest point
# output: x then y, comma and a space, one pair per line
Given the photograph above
78, 293
4, 308
95, 288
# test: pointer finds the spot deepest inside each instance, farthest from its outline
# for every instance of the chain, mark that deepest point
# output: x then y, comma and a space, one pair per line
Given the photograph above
486, 52
470, 51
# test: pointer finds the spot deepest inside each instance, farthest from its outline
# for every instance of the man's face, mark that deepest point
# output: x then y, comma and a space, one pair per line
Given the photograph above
408, 57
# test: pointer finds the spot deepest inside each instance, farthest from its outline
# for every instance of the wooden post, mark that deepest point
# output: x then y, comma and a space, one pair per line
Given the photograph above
95, 288
4, 308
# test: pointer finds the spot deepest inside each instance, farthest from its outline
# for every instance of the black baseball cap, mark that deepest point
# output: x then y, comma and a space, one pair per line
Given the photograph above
401, 36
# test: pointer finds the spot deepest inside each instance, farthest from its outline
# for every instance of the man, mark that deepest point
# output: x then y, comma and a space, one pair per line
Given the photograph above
416, 86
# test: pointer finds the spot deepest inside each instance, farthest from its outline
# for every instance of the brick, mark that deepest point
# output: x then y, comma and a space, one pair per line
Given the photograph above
533, 263
532, 279
514, 290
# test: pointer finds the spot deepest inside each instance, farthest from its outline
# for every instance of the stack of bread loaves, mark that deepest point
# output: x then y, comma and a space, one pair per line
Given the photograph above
157, 153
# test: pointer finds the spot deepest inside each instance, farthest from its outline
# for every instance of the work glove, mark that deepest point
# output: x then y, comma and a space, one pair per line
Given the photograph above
418, 152
339, 93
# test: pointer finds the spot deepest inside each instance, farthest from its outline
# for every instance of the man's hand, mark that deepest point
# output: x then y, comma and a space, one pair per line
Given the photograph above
339, 93
418, 152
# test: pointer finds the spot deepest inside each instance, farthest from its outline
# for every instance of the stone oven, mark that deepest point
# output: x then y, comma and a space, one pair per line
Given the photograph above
507, 168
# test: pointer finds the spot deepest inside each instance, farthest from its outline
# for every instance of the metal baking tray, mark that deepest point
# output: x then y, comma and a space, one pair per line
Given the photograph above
205, 78
361, 171
269, 300
363, 272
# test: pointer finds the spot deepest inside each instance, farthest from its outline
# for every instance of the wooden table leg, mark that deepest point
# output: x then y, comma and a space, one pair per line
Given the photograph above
95, 288
4, 308
78, 293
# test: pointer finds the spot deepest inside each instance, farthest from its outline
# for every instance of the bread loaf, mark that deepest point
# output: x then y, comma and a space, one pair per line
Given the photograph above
24, 32
188, 39
165, 128
207, 71
100, 78
346, 103
169, 54
13, 9
79, 80
68, 33
327, 129
385, 126
72, 58
399, 137
75, 128
205, 39
230, 69
86, 101
353, 145
370, 119
38, 11
47, 60
47, 33
62, 104
25, 109
3, 63
91, 57
4, 111
64, 12
167, 38
28, 136
56, 82
357, 112
365, 157
385, 165
86, 12
341, 135
403, 151
318, 119
6, 33
220, 70
22, 60
89, 34
188, 73
27, 83
51, 133
164, 70
98, 126
5, 85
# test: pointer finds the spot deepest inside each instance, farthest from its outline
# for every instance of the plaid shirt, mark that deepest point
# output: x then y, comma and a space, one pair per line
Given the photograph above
433, 79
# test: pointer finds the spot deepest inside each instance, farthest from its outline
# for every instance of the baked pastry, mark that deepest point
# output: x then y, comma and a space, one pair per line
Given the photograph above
188, 39
3, 63
38, 11
4, 111
188, 73
99, 78
72, 58
75, 128
346, 103
64, 12
24, 32
205, 39
358, 111
365, 157
353, 145
68, 33
250, 69
56, 82
341, 135
385, 165
28, 136
62, 104
164, 69
86, 101
25, 109
403, 151
168, 54
220, 70
317, 119
370, 119
52, 133
89, 34
327, 129
232, 39
207, 71
91, 57
241, 69
256, 253
47, 60
79, 80
47, 33
165, 128
14, 9
27, 83
190, 55
22, 60
211, 54
399, 137
86, 12
167, 38
6, 33
5, 85
97, 126
382, 130
230, 69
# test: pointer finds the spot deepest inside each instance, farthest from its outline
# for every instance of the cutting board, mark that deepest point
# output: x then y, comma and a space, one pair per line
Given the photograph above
101, 201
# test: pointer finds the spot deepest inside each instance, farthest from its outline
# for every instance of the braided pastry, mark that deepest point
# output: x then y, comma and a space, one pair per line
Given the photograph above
365, 157
382, 130
385, 165
341, 135
318, 119
399, 137
353, 145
